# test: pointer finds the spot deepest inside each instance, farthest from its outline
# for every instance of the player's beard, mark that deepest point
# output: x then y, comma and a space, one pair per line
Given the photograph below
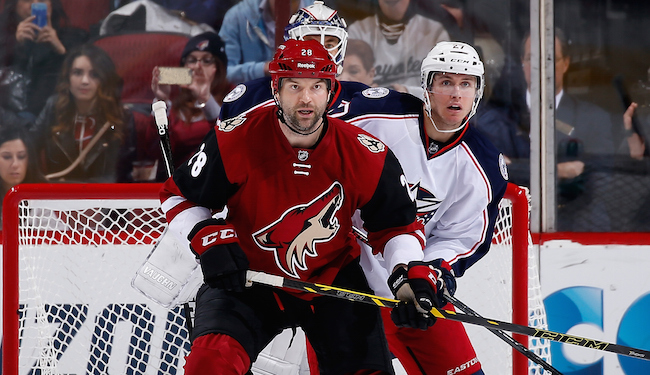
304, 126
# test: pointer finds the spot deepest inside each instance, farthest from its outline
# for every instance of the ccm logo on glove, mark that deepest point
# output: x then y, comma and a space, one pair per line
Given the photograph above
224, 235
209, 233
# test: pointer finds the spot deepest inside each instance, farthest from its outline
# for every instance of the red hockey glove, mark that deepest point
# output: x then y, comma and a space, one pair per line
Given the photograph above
223, 261
429, 280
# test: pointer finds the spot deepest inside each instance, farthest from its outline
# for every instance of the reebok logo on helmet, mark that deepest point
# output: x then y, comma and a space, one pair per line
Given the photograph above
306, 65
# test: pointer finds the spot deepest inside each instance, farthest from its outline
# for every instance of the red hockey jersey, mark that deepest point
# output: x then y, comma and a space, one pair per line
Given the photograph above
292, 207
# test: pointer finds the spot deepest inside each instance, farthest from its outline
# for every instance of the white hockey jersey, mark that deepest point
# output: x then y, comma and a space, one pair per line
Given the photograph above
457, 187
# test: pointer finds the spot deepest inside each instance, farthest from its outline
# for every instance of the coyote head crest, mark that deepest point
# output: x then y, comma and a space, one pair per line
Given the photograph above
294, 235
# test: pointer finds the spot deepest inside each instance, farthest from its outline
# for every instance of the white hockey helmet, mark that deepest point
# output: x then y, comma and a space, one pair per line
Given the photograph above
453, 57
322, 21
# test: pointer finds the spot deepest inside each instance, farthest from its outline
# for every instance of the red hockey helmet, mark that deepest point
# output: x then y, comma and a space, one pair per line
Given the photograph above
302, 59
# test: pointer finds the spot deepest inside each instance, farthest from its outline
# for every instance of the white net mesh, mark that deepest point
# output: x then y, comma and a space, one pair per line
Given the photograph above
77, 311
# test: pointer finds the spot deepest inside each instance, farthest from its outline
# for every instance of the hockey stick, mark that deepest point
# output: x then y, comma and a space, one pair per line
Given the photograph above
467, 310
351, 295
160, 115
509, 340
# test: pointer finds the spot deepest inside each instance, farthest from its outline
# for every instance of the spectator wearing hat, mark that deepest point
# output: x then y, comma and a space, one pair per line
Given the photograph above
194, 108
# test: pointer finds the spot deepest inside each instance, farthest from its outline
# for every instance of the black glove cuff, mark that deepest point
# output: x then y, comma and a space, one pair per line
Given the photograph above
398, 278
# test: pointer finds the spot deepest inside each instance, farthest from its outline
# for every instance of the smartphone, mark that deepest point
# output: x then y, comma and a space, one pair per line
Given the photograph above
174, 75
40, 11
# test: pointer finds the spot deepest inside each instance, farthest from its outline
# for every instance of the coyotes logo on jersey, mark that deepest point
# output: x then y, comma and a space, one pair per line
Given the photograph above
295, 234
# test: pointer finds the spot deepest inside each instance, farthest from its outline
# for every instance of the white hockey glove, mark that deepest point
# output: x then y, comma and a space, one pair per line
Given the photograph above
170, 275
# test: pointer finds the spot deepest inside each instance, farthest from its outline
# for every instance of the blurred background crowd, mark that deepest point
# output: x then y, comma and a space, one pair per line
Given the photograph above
76, 89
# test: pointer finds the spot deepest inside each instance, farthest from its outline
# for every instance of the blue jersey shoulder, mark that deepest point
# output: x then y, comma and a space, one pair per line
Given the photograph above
380, 100
246, 96
490, 159
349, 88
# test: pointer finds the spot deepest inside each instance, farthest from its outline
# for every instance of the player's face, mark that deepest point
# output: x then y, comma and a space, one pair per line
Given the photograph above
331, 43
203, 65
303, 101
84, 82
13, 162
451, 97
353, 70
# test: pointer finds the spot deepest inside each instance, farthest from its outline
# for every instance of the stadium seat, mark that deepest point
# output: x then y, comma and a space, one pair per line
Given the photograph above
84, 13
135, 56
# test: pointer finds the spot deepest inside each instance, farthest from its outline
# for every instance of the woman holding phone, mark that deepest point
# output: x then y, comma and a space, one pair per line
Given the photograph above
193, 108
36, 51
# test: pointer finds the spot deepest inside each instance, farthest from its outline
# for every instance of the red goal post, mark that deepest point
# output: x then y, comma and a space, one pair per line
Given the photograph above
70, 250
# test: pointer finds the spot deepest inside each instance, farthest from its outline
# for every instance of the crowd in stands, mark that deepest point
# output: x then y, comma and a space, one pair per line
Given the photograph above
81, 86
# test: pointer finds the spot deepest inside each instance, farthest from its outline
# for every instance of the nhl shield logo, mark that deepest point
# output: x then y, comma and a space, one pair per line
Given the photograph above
230, 124
303, 155
372, 144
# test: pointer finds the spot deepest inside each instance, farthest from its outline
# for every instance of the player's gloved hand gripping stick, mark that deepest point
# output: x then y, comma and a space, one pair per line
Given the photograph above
424, 283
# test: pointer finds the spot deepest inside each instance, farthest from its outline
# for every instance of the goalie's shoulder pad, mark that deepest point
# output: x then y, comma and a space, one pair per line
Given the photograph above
246, 97
380, 101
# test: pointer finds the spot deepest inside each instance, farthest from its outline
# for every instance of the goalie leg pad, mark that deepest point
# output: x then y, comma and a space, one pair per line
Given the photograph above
217, 354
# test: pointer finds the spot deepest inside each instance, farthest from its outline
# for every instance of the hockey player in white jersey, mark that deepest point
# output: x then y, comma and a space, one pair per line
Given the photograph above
458, 178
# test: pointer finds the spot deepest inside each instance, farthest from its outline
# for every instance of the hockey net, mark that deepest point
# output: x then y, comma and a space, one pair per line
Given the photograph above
504, 285
71, 250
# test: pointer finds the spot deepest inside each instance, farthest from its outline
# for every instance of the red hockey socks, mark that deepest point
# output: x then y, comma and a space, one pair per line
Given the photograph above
217, 354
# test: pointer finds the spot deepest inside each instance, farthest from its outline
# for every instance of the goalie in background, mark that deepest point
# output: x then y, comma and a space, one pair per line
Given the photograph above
458, 178
282, 170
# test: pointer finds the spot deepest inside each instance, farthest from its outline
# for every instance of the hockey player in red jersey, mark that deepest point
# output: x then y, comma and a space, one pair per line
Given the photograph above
457, 178
290, 177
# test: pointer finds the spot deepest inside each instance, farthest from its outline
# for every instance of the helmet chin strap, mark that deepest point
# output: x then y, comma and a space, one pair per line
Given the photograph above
462, 125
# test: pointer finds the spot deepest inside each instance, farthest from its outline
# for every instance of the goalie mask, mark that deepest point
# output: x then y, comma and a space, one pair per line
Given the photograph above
452, 58
321, 21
